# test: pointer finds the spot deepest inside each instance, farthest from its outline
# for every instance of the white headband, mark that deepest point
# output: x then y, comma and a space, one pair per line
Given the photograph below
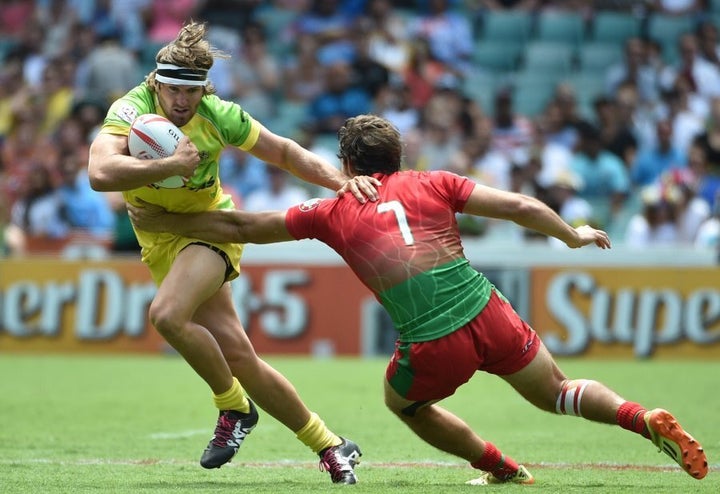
168, 73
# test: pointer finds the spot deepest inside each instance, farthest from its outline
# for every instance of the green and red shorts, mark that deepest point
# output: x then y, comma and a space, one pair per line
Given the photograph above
497, 341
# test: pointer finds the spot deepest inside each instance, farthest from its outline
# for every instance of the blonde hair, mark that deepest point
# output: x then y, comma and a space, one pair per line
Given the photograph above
190, 49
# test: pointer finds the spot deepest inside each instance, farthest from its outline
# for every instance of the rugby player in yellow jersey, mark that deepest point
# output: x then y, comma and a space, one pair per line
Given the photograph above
193, 308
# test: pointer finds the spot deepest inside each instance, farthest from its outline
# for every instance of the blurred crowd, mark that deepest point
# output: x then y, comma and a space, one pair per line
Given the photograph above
639, 156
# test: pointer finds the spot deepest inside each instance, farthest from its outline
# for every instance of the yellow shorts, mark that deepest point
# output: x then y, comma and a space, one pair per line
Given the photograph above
160, 253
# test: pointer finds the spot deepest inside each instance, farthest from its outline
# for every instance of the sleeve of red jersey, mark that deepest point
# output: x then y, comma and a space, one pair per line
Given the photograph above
457, 188
300, 219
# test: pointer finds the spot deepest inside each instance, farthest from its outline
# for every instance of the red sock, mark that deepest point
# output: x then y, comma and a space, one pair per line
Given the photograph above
630, 417
493, 461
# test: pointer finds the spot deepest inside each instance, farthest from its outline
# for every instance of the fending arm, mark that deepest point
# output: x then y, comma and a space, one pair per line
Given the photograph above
220, 226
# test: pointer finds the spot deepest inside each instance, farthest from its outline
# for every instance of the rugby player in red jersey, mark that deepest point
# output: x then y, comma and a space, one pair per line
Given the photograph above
452, 322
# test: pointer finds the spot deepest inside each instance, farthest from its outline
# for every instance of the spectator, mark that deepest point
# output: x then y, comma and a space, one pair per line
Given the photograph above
551, 128
708, 234
449, 35
89, 114
707, 184
234, 14
676, 7
606, 180
656, 224
130, 18
511, 131
652, 163
635, 69
58, 18
692, 210
563, 115
422, 72
11, 84
56, 94
38, 211
703, 76
387, 35
441, 133
166, 17
279, 193
710, 138
688, 113
82, 207
14, 16
12, 238
329, 25
525, 5
395, 104
562, 197
623, 124
109, 71
708, 42
22, 151
368, 74
123, 236
256, 74
30, 51
303, 76
479, 161
241, 174
339, 101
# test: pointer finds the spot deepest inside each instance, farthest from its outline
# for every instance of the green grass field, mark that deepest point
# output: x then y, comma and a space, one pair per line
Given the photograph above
73, 424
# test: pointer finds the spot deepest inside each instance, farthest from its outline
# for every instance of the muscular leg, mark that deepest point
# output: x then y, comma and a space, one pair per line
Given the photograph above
270, 390
543, 384
542, 381
437, 427
195, 275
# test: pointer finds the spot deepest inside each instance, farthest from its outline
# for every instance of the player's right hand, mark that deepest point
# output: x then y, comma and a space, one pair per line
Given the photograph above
186, 157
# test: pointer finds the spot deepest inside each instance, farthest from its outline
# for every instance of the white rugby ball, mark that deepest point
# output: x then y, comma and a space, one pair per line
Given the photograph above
152, 137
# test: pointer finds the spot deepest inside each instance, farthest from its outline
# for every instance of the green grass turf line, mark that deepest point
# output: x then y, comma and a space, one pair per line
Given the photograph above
125, 424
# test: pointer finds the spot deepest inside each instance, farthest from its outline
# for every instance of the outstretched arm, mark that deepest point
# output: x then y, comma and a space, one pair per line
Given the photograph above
310, 167
532, 213
213, 226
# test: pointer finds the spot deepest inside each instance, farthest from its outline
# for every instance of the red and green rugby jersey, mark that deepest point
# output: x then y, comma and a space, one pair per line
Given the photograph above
406, 248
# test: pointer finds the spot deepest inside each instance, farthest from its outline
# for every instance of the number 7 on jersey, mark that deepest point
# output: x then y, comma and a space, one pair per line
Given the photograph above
399, 211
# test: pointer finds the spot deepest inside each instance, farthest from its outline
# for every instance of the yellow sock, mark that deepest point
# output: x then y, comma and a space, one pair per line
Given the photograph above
316, 436
232, 399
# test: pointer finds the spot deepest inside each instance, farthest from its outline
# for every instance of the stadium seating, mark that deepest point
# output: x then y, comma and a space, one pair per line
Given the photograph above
514, 26
548, 56
667, 29
502, 56
613, 27
561, 27
481, 87
533, 89
596, 57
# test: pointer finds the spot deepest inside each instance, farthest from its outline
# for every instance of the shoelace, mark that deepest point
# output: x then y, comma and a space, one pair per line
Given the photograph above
223, 431
330, 463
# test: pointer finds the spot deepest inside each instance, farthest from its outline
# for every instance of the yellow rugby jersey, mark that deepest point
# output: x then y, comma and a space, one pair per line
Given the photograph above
215, 125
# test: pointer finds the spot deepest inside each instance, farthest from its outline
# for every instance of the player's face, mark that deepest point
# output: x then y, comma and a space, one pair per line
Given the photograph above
179, 102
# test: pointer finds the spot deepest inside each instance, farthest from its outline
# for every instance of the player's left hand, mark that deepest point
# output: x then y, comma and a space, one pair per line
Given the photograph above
146, 216
362, 187
587, 235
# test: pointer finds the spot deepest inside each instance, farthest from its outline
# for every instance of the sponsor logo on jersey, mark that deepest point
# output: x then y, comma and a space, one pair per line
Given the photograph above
310, 204
127, 113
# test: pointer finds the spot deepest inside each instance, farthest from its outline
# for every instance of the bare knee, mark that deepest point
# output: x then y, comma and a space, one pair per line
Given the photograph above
165, 319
